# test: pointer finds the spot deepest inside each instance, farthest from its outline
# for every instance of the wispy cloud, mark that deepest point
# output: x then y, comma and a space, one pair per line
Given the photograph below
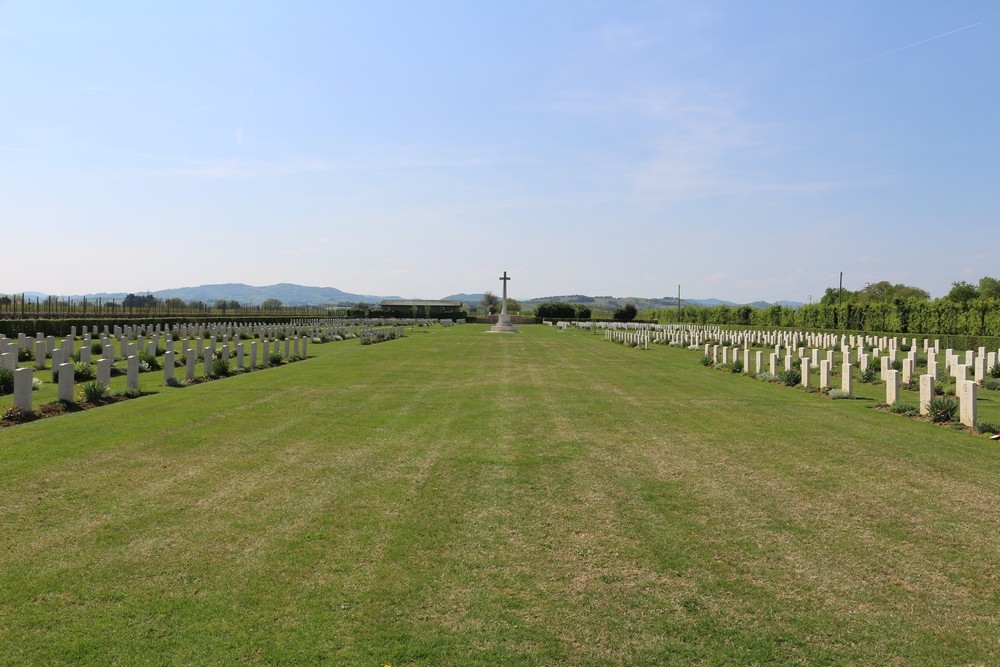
910, 46
697, 138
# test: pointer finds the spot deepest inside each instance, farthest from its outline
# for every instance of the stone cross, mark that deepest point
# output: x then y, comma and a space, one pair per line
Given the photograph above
503, 324
504, 278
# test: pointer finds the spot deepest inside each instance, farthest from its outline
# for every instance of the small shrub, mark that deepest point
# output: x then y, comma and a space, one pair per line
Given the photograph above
905, 347
131, 392
838, 394
791, 377
904, 409
146, 358
6, 381
92, 392
942, 409
16, 414
896, 365
220, 368
83, 372
995, 370
993, 384
987, 427
870, 374
26, 354
765, 377
274, 359
707, 361
174, 382
96, 348
736, 366
36, 384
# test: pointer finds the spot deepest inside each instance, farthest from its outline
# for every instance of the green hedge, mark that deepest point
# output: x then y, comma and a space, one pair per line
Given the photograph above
61, 327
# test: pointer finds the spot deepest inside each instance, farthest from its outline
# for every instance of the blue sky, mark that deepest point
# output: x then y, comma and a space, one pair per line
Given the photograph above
743, 150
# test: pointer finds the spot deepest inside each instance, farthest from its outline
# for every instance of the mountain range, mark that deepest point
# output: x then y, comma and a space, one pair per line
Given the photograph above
299, 295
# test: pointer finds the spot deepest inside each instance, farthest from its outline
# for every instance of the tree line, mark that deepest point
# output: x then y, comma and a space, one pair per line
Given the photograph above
968, 310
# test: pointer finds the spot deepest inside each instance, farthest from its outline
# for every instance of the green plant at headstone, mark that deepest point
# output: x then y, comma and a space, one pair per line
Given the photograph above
987, 427
904, 409
736, 366
26, 354
92, 392
274, 359
149, 360
896, 365
16, 414
96, 347
995, 370
942, 409
993, 384
870, 374
838, 394
83, 371
706, 361
220, 368
790, 377
6, 381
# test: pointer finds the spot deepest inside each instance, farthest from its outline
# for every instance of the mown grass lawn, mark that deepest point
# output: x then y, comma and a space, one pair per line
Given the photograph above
455, 498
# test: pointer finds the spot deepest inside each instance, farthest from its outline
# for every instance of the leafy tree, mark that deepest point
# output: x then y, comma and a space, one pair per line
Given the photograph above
359, 309
513, 306
220, 304
234, 304
490, 303
196, 305
626, 314
884, 291
271, 304
962, 292
989, 288
174, 303
582, 312
555, 310
5, 301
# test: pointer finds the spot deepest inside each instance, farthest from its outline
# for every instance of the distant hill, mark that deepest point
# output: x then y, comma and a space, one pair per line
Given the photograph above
463, 297
288, 293
303, 295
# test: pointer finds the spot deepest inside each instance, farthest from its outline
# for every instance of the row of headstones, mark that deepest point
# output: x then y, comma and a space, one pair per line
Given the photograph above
980, 361
379, 333
64, 372
633, 338
63, 353
694, 334
47, 345
967, 389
